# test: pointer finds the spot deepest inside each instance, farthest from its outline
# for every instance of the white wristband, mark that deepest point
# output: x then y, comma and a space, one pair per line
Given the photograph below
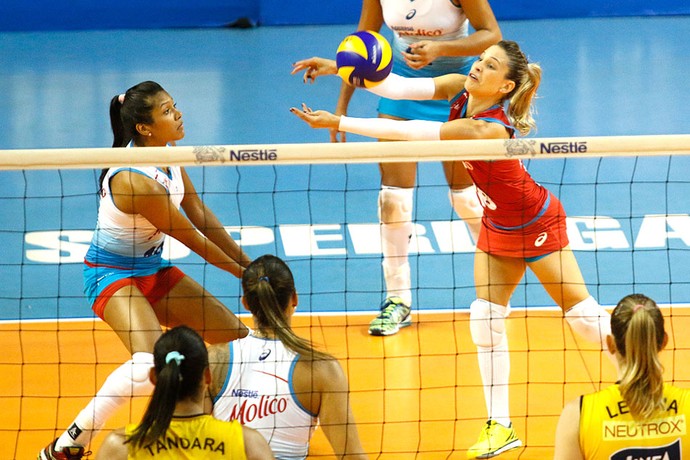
384, 128
412, 89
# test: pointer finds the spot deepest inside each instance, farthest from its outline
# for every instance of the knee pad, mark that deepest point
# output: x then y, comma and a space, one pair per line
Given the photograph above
487, 323
142, 362
467, 207
132, 377
466, 203
589, 320
395, 205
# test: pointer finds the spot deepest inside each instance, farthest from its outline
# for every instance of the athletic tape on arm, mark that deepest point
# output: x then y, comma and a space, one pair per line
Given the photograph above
383, 128
412, 89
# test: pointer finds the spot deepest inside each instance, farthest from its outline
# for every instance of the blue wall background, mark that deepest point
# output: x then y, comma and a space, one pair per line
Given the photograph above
36, 15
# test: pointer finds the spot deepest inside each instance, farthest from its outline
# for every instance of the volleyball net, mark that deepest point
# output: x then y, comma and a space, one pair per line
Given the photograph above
315, 206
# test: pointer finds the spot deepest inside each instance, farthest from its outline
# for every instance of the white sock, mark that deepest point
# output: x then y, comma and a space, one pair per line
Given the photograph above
466, 205
487, 326
494, 366
395, 213
396, 266
130, 379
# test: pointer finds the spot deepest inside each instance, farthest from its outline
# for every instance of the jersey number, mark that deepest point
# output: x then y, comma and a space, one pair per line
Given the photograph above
485, 200
153, 251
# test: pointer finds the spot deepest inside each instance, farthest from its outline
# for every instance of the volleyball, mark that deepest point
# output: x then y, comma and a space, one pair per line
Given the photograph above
364, 59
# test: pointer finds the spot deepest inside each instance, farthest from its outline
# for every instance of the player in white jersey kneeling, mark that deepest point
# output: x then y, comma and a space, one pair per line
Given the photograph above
276, 382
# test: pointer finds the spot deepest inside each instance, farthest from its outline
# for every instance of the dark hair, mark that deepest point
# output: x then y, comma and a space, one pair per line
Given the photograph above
136, 107
527, 77
637, 326
176, 381
268, 287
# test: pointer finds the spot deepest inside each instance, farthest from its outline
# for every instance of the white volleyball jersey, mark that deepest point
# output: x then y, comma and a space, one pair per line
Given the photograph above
258, 391
123, 240
416, 20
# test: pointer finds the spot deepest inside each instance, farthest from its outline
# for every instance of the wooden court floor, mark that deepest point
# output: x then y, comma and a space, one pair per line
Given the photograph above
415, 395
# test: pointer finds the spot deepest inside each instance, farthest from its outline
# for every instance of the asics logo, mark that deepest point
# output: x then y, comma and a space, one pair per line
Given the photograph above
540, 239
411, 14
264, 355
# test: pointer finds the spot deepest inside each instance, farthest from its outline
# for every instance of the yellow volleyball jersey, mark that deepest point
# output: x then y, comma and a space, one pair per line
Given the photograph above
608, 432
192, 438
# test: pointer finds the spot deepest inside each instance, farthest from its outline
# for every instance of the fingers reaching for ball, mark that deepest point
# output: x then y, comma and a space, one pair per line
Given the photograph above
314, 67
316, 119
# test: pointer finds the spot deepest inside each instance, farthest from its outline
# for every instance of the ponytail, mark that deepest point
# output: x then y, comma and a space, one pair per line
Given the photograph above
118, 130
116, 125
269, 287
637, 326
527, 77
180, 359
520, 109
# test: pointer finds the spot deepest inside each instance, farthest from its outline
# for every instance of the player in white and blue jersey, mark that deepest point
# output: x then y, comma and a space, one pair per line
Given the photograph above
128, 283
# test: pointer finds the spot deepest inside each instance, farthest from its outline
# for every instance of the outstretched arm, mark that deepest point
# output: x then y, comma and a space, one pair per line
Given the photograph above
394, 86
136, 194
403, 130
379, 128
206, 221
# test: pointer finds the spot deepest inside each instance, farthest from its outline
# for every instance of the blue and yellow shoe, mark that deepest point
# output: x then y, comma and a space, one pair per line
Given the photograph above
494, 440
395, 313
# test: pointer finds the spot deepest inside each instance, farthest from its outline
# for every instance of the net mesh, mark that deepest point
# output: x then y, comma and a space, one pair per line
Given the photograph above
315, 206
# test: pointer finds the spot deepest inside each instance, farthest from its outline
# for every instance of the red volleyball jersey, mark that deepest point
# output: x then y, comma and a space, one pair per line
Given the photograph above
510, 197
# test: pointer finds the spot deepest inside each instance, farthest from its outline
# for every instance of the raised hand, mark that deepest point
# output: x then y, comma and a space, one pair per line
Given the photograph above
314, 67
318, 119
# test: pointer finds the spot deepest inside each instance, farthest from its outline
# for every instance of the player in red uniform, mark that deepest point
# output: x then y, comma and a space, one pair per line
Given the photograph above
523, 223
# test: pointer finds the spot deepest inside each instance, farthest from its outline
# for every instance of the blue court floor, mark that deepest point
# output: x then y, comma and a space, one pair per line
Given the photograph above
629, 217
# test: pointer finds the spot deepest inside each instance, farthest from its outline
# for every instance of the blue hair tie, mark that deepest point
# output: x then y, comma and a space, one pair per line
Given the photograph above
264, 278
174, 355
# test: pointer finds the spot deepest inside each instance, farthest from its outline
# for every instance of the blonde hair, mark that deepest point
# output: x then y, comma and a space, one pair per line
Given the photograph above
527, 77
637, 326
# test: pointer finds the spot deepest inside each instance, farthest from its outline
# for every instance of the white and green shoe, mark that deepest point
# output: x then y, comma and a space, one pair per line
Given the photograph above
395, 313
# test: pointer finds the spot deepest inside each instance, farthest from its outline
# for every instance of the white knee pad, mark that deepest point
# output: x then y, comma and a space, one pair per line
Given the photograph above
395, 205
487, 323
132, 378
142, 362
589, 320
467, 206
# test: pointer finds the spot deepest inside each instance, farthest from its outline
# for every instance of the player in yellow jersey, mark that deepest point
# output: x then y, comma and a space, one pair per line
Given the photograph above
175, 425
640, 417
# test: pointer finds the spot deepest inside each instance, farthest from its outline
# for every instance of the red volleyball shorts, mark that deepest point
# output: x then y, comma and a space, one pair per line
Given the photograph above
154, 287
546, 235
